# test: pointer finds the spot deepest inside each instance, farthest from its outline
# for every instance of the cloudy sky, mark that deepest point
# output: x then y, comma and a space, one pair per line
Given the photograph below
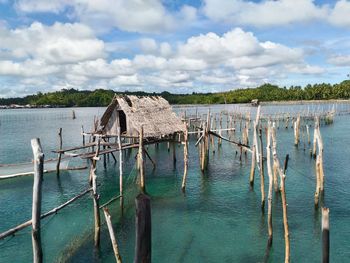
173, 45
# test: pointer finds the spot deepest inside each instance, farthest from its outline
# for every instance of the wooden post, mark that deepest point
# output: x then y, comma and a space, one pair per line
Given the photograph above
308, 134
95, 195
320, 156
285, 215
120, 170
274, 157
36, 207
297, 131
83, 134
261, 170
112, 236
325, 235
143, 226
269, 171
59, 154
220, 133
174, 150
317, 123
183, 186
140, 161
255, 154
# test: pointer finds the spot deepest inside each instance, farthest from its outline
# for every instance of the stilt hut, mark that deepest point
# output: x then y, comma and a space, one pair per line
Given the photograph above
130, 113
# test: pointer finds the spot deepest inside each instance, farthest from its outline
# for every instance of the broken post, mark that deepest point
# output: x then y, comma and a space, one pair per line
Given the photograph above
59, 154
37, 193
325, 235
143, 226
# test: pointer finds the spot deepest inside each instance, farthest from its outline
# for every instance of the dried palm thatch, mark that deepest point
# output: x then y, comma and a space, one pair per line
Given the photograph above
131, 112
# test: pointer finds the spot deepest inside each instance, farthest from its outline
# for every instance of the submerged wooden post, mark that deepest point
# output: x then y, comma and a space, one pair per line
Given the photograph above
140, 160
269, 171
112, 235
183, 186
261, 170
59, 154
297, 131
285, 215
325, 235
143, 226
274, 157
255, 154
120, 170
83, 134
95, 195
37, 193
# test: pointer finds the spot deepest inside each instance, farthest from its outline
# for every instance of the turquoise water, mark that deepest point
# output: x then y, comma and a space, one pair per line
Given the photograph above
218, 219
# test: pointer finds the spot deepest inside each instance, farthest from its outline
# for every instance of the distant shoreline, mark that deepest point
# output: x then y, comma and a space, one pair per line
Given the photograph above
284, 102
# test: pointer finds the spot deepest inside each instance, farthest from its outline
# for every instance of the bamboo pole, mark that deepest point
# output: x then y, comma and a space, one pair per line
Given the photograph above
37, 194
143, 227
141, 161
120, 170
112, 235
269, 171
183, 186
59, 154
325, 235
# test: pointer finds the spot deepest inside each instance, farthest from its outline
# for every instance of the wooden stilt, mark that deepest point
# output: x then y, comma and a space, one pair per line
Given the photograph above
285, 215
297, 131
143, 243
141, 161
269, 171
59, 154
274, 156
96, 196
183, 186
112, 235
255, 152
261, 171
83, 134
174, 151
325, 235
308, 134
37, 193
120, 171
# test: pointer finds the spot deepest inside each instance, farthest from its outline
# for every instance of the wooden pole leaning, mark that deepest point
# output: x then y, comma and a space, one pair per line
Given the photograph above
112, 235
120, 170
37, 194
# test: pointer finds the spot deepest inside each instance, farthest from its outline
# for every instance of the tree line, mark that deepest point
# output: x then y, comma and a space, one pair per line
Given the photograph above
266, 92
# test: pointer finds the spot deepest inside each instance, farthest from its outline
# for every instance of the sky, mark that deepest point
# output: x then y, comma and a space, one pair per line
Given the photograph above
180, 46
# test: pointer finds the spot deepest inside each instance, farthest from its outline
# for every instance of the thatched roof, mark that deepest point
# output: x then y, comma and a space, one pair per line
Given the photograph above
153, 113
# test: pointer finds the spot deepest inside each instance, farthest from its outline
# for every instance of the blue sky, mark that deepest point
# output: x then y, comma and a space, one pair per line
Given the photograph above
179, 46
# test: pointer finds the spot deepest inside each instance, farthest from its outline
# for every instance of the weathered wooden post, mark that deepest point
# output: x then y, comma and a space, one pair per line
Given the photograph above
112, 235
143, 226
120, 170
325, 235
269, 171
308, 134
297, 131
37, 192
183, 186
95, 195
274, 157
261, 171
255, 154
220, 132
140, 160
59, 154
285, 215
83, 134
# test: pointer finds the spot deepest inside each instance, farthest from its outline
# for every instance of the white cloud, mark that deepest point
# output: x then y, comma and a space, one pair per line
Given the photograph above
59, 43
264, 13
148, 45
148, 16
340, 60
339, 16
